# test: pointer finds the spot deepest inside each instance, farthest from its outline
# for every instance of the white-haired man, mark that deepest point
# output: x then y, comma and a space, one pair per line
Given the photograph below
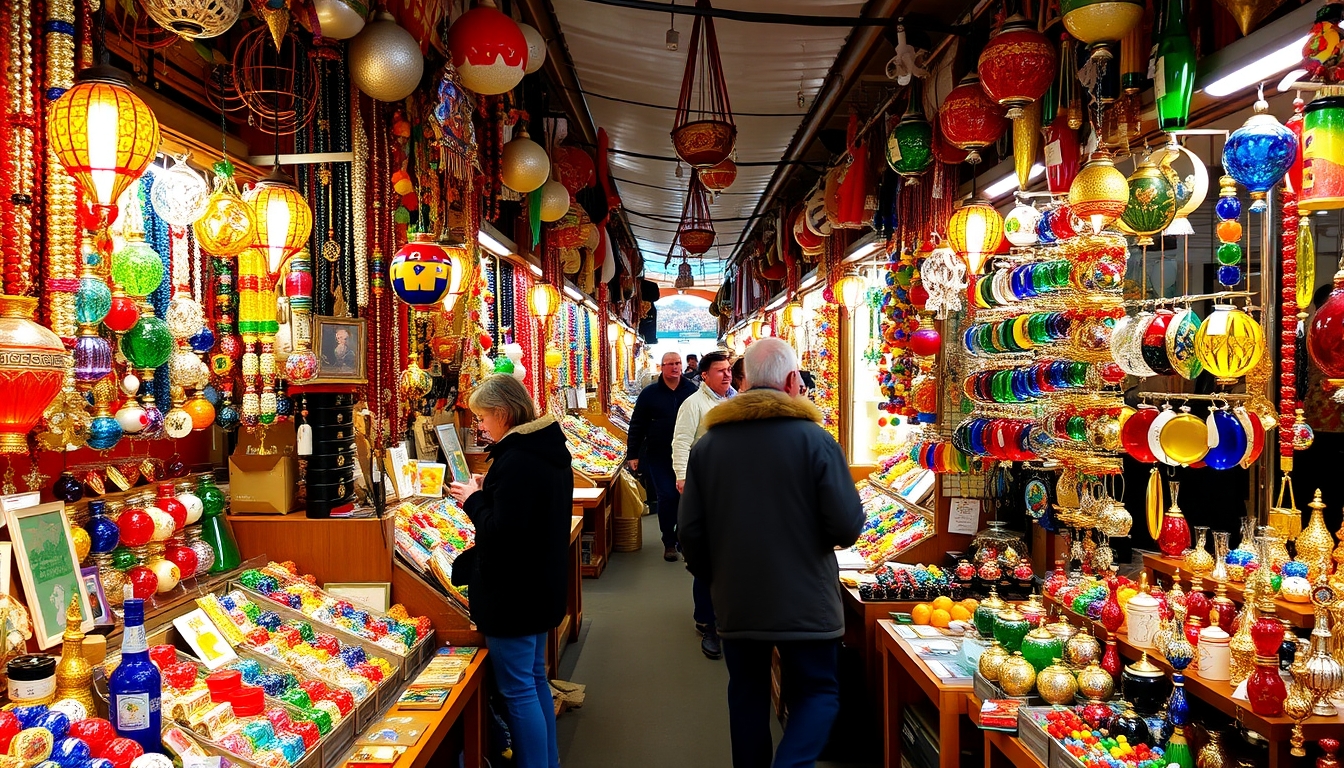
768, 497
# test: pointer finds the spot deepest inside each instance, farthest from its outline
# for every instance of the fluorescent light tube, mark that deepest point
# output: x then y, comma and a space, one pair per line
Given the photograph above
492, 245
1009, 183
1258, 71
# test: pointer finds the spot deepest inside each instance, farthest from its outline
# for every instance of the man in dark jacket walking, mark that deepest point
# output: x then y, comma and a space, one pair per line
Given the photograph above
649, 443
768, 498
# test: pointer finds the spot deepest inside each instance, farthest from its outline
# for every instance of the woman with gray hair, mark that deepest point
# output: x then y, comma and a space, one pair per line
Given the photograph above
515, 573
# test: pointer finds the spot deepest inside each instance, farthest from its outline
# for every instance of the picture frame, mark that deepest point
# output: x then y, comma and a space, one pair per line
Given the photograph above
339, 344
375, 595
453, 455
93, 587
49, 569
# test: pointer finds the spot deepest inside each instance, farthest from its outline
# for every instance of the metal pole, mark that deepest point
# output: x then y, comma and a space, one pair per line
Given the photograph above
1263, 500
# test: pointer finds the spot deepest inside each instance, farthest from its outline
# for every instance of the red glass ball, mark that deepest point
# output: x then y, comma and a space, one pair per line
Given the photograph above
121, 751
919, 295
95, 731
925, 342
168, 502
123, 314
1061, 223
144, 582
1017, 67
231, 346
969, 118
9, 727
185, 558
136, 527
1325, 339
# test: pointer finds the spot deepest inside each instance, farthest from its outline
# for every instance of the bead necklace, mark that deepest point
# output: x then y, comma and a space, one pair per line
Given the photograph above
1288, 338
359, 176
524, 331
21, 124
505, 307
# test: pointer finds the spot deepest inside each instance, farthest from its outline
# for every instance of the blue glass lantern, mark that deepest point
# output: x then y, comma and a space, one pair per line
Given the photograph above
1259, 153
104, 432
1230, 447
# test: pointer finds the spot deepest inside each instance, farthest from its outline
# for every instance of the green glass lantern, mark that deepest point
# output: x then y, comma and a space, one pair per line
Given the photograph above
1152, 201
1041, 647
148, 344
910, 143
137, 267
1010, 628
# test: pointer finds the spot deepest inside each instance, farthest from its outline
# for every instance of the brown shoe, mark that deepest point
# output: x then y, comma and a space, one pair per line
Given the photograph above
670, 554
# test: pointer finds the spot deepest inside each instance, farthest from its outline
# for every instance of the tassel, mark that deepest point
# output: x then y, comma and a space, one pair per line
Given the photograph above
305, 440
1153, 504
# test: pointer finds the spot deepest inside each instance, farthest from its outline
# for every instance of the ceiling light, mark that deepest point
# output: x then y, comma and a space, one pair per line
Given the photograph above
491, 244
1259, 70
1009, 183
673, 39
865, 250
573, 294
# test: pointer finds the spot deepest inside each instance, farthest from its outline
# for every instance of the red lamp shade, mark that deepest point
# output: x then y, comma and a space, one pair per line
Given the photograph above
32, 369
572, 167
488, 49
1017, 67
969, 119
695, 241
925, 341
284, 220
104, 136
719, 177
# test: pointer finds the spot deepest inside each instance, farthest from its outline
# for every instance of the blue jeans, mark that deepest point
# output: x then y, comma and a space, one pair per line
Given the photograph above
809, 676
519, 665
664, 482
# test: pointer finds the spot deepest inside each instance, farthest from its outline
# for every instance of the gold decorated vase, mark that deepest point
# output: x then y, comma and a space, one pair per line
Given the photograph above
991, 661
1016, 676
1056, 684
1095, 682
1314, 544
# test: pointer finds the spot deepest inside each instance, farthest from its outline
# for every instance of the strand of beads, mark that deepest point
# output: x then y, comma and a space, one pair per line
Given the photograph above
1288, 339
1229, 232
21, 126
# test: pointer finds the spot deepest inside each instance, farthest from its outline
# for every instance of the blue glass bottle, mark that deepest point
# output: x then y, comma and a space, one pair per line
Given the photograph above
104, 535
135, 687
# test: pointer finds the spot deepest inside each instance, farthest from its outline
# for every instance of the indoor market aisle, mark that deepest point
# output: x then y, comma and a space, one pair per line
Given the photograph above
653, 700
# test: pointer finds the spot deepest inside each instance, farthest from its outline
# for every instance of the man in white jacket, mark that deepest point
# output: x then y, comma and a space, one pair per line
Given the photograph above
716, 386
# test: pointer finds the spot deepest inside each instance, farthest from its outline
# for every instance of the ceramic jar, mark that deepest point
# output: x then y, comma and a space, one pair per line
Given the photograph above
1082, 649
1095, 682
1143, 615
987, 612
1056, 684
1215, 655
1145, 686
1131, 726
1016, 676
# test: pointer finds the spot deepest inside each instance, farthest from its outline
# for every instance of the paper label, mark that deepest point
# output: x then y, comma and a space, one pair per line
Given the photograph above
894, 151
1053, 155
964, 517
132, 711
133, 640
1160, 79
27, 690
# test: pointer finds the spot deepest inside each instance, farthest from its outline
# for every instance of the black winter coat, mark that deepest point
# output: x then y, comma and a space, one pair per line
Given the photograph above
516, 570
768, 498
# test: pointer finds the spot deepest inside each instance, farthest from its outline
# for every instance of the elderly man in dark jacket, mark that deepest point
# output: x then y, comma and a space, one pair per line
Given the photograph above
768, 498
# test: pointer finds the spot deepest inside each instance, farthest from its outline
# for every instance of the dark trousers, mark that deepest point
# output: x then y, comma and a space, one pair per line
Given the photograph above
664, 482
704, 604
811, 692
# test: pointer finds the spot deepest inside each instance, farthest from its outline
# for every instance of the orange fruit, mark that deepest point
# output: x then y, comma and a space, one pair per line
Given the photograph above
959, 613
940, 618
970, 604
920, 613
942, 603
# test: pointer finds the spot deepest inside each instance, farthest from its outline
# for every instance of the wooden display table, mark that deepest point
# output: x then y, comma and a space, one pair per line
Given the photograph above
905, 678
568, 631
594, 506
861, 632
331, 549
465, 707
1001, 748
1298, 614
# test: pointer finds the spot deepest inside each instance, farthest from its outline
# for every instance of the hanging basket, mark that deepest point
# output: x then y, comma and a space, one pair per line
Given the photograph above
695, 233
704, 143
703, 133
720, 176
696, 241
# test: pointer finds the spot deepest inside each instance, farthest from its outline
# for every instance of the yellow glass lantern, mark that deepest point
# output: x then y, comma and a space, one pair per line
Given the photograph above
284, 220
848, 290
975, 231
760, 329
793, 314
227, 227
544, 301
1099, 193
730, 340
458, 258
1229, 343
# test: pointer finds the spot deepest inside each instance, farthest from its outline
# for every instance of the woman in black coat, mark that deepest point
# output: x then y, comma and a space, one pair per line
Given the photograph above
516, 571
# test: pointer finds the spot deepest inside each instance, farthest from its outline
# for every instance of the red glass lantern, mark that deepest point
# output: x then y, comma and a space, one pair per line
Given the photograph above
1017, 67
488, 50
1265, 688
1325, 340
32, 369
1175, 537
970, 119
719, 177
1061, 146
925, 341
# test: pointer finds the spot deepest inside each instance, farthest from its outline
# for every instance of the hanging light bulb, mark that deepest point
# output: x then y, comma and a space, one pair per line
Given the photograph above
975, 231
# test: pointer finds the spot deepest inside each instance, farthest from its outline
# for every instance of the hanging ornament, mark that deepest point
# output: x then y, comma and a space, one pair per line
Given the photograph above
385, 60
1026, 143
1259, 153
975, 231
489, 50
1249, 13
1325, 339
337, 19
32, 370
719, 177
969, 119
1228, 209
1100, 193
695, 231
137, 267
1190, 190
1100, 23
703, 132
1229, 343
910, 143
1019, 226
1152, 201
1322, 153
227, 226
555, 201
536, 48
179, 195
1017, 66
1061, 155
524, 165
420, 272
283, 218
193, 19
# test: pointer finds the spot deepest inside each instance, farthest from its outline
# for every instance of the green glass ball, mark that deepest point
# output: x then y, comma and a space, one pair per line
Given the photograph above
137, 268
1229, 253
910, 146
148, 344
1076, 426
122, 558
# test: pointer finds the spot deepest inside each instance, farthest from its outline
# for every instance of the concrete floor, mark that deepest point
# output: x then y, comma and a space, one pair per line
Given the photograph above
653, 700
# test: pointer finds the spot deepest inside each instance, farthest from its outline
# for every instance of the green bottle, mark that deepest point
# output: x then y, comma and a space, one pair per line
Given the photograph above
1174, 78
214, 528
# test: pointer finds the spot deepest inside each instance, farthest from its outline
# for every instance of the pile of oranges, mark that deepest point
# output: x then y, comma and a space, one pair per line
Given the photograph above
942, 611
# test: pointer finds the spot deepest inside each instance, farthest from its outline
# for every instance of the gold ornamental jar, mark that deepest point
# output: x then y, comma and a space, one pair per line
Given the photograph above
1314, 543
1082, 649
991, 660
1016, 676
1095, 682
1056, 684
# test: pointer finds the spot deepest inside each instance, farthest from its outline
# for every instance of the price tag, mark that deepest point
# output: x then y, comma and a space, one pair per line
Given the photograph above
893, 151
1160, 79
964, 517
1053, 155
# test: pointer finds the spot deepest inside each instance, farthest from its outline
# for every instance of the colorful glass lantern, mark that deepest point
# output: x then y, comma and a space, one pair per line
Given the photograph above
420, 272
793, 314
227, 228
1100, 193
149, 344
137, 267
910, 143
1325, 339
488, 50
975, 231
1100, 22
969, 119
1259, 153
1152, 200
104, 136
1019, 226
544, 301
849, 290
32, 370
458, 259
719, 177
284, 220
1017, 67
1229, 343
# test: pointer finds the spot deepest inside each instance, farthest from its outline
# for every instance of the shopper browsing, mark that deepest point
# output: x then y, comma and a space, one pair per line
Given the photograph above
649, 444
768, 497
516, 571
693, 368
716, 374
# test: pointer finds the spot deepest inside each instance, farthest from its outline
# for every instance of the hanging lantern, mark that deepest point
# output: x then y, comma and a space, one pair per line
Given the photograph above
1229, 343
1190, 190
975, 231
1152, 201
849, 290
1026, 143
1019, 226
1322, 150
572, 167
1325, 339
536, 48
757, 327
1259, 153
104, 136
32, 370
420, 272
703, 133
1100, 23
555, 201
524, 165
337, 19
283, 219
695, 232
489, 50
793, 314
179, 194
193, 19
685, 279
910, 143
137, 267
227, 227
1100, 192
1017, 66
543, 300
719, 177
969, 119
385, 60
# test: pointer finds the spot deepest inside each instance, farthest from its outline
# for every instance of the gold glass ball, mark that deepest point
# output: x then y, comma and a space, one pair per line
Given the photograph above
1082, 649
1056, 684
1095, 682
1099, 193
1229, 343
524, 166
554, 201
385, 60
1016, 676
227, 227
991, 661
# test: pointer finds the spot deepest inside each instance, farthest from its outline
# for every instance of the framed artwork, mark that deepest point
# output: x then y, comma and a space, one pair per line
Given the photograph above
339, 344
93, 588
49, 569
452, 452
429, 479
401, 470
375, 595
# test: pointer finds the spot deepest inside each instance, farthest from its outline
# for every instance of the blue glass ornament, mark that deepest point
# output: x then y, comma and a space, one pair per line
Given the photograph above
92, 300
104, 535
283, 405
1231, 445
104, 432
211, 394
1229, 275
227, 417
1296, 568
1259, 153
67, 488
203, 341
1228, 207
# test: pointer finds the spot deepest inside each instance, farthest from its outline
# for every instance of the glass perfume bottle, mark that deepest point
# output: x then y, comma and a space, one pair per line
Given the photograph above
214, 528
135, 688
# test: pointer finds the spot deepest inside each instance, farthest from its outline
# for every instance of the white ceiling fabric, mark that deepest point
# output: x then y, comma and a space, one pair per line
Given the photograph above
620, 52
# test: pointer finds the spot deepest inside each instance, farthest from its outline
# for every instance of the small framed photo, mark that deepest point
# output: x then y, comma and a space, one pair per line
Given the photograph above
93, 587
49, 569
374, 595
339, 344
452, 452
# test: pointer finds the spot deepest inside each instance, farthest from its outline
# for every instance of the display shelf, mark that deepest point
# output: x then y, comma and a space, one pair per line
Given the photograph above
596, 452
333, 549
593, 504
1300, 615
905, 679
891, 525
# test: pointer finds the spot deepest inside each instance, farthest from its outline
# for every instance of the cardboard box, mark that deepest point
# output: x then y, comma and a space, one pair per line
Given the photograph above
263, 471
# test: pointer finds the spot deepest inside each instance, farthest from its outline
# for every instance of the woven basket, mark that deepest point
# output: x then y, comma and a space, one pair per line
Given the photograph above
629, 534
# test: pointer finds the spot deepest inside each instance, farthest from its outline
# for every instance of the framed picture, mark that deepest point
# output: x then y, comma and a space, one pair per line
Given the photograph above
429, 479
375, 595
452, 452
49, 569
339, 343
93, 588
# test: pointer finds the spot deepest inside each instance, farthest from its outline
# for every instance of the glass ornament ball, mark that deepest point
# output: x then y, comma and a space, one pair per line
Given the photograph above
186, 370
193, 505
144, 582
166, 575
202, 341
1303, 434
1228, 207
925, 342
136, 527
93, 357
123, 557
200, 411
1259, 153
228, 227
1229, 253
386, 62
103, 535
67, 488
122, 313
164, 524
131, 417
153, 424
284, 405
300, 366
179, 195
149, 344
104, 433
205, 555
1229, 275
80, 538
177, 423
184, 558
1325, 337
130, 385
93, 299
1185, 438
211, 394
1229, 231
185, 317
137, 268
1226, 439
1099, 193
420, 272
1019, 226
1229, 343
227, 417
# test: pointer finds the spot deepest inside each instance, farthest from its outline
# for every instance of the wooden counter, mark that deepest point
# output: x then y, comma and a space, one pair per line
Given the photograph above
568, 631
331, 549
905, 678
594, 506
1001, 748
1298, 614
861, 632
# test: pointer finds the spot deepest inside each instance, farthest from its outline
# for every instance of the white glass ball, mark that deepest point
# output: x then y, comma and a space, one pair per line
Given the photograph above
337, 19
131, 416
524, 165
179, 195
536, 48
185, 317
194, 506
385, 60
1019, 226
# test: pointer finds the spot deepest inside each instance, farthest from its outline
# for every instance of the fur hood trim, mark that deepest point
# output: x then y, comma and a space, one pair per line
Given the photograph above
758, 404
535, 425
